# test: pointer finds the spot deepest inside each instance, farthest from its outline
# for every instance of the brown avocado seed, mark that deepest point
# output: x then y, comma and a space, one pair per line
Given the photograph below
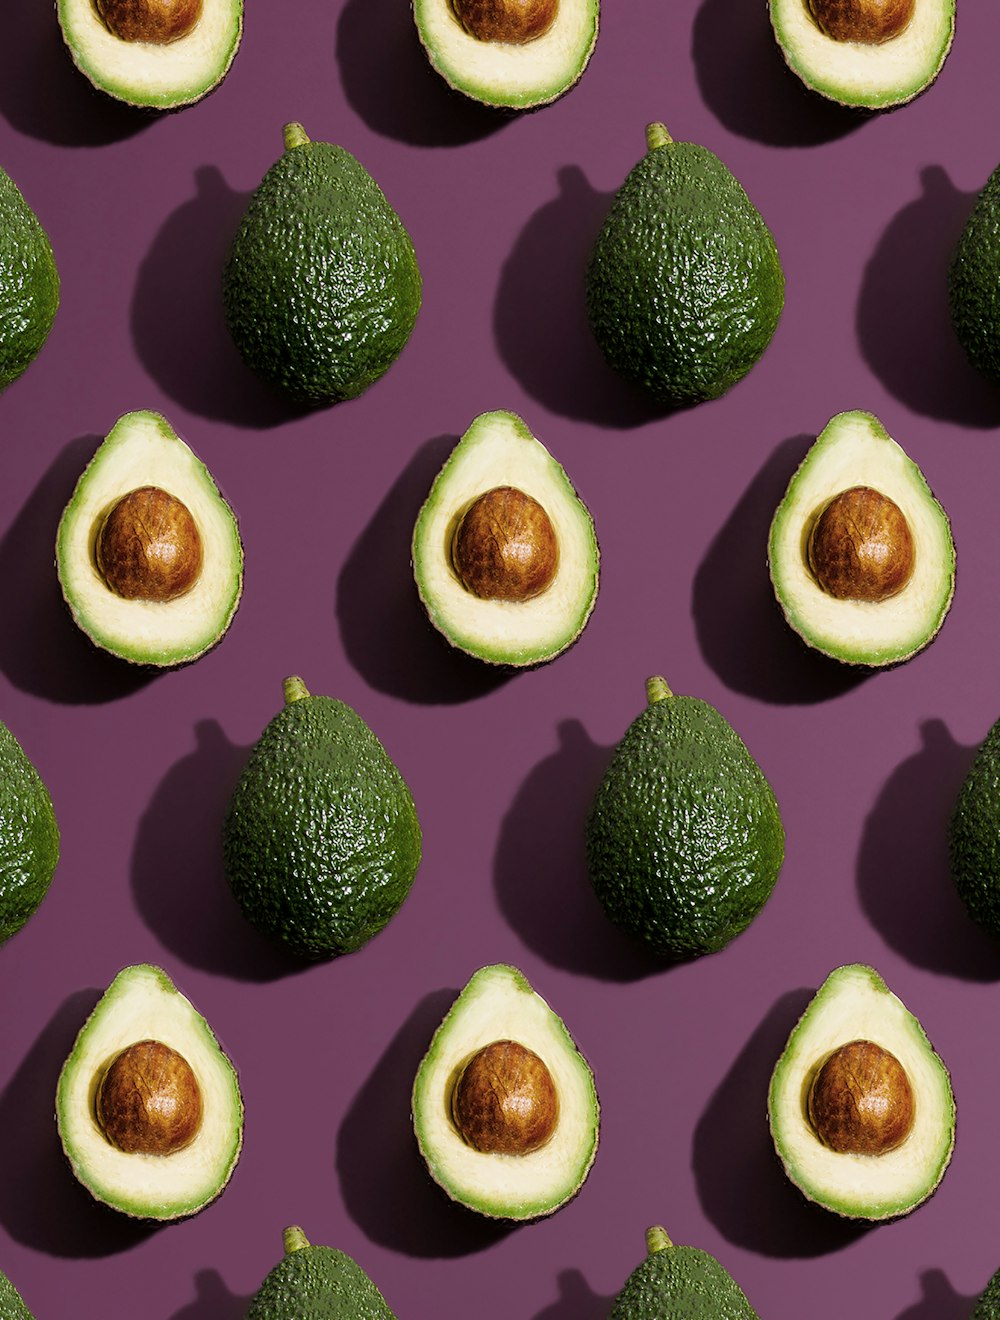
869, 22
861, 1101
861, 547
148, 1101
505, 546
155, 21
513, 22
149, 546
505, 1101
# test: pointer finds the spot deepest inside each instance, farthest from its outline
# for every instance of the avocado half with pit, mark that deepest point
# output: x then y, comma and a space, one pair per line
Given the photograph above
860, 552
515, 54
148, 1105
157, 54
504, 551
860, 1106
870, 54
504, 1105
148, 552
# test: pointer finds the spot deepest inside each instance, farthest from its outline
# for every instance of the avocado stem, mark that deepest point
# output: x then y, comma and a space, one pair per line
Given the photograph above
657, 136
294, 1239
295, 136
657, 690
657, 1240
294, 689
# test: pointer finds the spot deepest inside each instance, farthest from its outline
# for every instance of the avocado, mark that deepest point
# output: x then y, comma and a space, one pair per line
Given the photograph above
515, 54
988, 1304
148, 1106
504, 551
869, 54
680, 1283
321, 840
12, 1304
316, 1283
972, 282
684, 837
321, 287
148, 552
504, 1105
860, 1106
684, 286
29, 283
29, 837
151, 54
974, 836
860, 552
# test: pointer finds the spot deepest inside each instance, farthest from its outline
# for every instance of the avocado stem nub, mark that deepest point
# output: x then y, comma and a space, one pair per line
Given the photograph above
295, 136
294, 1239
657, 690
657, 1240
657, 136
294, 689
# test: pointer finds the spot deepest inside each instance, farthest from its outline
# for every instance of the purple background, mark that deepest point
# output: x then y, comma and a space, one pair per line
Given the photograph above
502, 210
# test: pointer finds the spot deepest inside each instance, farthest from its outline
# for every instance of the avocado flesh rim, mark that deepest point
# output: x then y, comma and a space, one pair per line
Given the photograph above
867, 76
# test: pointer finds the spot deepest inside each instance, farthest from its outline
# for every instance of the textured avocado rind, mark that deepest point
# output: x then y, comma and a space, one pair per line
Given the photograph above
29, 283
313, 1282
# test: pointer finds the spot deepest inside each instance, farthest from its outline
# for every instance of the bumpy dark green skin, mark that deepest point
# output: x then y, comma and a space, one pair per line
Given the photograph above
12, 1305
974, 836
681, 1283
684, 838
29, 837
29, 283
684, 286
988, 1306
321, 840
974, 282
318, 1283
321, 287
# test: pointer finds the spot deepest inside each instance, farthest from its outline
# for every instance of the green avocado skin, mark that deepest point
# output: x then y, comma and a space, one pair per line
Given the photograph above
973, 280
321, 287
684, 287
12, 1305
684, 837
29, 837
974, 836
988, 1306
29, 283
321, 840
318, 1283
681, 1283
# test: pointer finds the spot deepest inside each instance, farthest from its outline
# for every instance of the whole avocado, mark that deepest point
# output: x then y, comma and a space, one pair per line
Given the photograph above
974, 836
12, 1305
29, 283
972, 282
316, 1283
680, 1283
988, 1305
29, 837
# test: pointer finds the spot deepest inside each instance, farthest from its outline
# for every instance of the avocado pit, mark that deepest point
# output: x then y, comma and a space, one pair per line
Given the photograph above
861, 546
861, 1101
149, 547
148, 1100
505, 547
505, 1101
514, 22
157, 22
869, 22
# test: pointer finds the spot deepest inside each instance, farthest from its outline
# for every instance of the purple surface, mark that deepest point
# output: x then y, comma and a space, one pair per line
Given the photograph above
502, 211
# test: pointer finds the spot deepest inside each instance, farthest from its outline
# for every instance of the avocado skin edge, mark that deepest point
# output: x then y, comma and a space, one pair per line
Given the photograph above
680, 1283
974, 836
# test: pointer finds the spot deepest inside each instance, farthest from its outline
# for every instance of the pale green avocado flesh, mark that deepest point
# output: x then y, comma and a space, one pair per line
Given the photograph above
142, 449
873, 76
499, 450
854, 449
854, 1003
509, 74
499, 1004
143, 1004
149, 74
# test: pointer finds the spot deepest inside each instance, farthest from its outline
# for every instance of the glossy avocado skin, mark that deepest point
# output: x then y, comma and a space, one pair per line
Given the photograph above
317, 1283
974, 836
972, 282
680, 1283
29, 283
988, 1305
12, 1305
29, 837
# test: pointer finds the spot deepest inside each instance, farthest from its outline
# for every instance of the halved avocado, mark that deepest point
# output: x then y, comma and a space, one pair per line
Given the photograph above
504, 1104
860, 552
860, 1106
158, 54
504, 551
175, 600
516, 54
170, 1156
865, 53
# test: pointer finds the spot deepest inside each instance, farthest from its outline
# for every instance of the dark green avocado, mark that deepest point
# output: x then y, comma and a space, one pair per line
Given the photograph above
12, 1304
29, 283
29, 837
988, 1305
974, 836
313, 1282
973, 280
680, 1283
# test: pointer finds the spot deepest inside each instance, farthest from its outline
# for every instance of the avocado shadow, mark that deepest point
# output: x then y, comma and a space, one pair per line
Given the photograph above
177, 867
540, 869
940, 1301
903, 320
904, 874
42, 1205
214, 1300
577, 1300
42, 651
739, 624
386, 634
393, 1199
741, 1184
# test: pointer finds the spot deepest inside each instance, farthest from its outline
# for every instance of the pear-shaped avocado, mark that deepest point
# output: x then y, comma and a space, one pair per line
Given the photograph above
313, 1282
321, 839
972, 282
148, 551
504, 1105
321, 287
517, 54
870, 54
675, 1282
684, 837
29, 283
860, 1106
684, 287
988, 1304
974, 836
12, 1304
504, 551
860, 552
148, 1106
157, 54
29, 837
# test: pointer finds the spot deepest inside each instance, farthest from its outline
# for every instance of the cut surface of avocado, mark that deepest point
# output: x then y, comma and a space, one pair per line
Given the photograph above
499, 451
498, 1005
509, 73
855, 1004
855, 451
142, 1004
872, 75
142, 451
153, 74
